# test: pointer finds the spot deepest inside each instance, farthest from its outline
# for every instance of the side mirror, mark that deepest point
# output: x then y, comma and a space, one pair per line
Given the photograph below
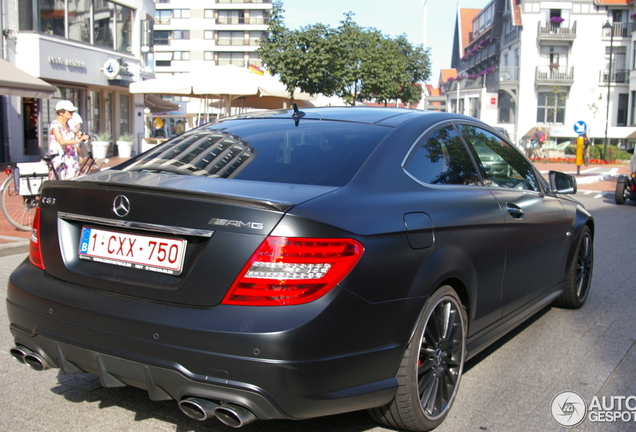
562, 183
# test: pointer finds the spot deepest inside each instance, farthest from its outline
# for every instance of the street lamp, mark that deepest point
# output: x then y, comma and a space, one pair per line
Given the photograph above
609, 26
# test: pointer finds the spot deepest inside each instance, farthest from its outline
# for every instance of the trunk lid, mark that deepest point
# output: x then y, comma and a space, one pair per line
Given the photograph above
217, 229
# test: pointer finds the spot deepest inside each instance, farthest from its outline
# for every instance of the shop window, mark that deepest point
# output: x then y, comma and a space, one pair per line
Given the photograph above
124, 114
79, 21
52, 18
104, 23
124, 20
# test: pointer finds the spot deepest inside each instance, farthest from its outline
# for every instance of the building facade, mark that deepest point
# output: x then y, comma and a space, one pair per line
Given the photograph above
90, 51
524, 64
192, 35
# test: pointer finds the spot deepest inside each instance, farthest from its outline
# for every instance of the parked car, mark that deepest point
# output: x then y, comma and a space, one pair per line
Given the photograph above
289, 264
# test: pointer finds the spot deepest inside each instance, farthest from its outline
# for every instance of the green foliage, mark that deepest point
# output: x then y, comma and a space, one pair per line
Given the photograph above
596, 152
352, 62
102, 136
126, 137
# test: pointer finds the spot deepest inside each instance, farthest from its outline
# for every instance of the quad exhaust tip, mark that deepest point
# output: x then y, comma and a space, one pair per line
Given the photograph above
30, 358
229, 414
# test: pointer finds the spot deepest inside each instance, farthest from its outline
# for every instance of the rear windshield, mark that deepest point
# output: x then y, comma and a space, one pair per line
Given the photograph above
314, 152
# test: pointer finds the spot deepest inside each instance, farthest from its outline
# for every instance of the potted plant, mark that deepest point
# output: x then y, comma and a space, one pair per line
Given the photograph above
100, 144
124, 145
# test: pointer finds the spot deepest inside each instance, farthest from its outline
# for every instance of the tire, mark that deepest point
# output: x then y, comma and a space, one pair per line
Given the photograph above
431, 369
545, 157
586, 158
18, 210
577, 284
621, 192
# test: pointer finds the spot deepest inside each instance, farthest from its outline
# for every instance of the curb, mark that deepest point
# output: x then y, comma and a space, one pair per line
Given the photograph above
14, 247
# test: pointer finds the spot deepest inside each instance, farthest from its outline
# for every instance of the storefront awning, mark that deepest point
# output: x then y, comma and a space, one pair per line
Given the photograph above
156, 104
16, 82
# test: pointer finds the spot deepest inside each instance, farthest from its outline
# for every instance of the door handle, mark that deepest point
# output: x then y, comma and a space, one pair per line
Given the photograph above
515, 211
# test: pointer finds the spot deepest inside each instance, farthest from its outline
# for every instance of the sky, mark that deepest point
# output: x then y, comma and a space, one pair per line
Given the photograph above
391, 17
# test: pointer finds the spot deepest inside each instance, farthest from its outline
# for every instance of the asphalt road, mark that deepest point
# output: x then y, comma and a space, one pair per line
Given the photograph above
508, 388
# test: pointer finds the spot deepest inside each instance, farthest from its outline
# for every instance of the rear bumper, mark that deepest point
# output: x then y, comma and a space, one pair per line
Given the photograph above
292, 362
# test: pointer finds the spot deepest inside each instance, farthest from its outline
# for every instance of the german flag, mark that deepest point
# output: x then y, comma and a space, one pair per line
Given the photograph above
255, 69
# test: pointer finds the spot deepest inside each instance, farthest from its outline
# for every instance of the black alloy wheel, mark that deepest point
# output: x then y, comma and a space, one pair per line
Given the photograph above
431, 368
577, 285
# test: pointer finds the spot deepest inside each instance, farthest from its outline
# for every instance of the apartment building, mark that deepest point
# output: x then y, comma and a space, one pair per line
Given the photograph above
190, 35
523, 64
88, 51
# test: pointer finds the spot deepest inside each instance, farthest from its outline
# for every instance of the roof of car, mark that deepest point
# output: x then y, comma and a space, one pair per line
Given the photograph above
374, 115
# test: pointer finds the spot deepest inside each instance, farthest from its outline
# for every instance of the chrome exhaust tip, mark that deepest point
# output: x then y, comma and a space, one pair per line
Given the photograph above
36, 361
198, 409
234, 416
19, 352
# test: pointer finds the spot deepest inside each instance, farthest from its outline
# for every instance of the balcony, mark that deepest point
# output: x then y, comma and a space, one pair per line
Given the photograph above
619, 76
551, 75
551, 31
469, 61
241, 20
621, 30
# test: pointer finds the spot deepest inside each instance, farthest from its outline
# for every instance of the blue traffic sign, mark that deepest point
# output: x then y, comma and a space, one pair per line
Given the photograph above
580, 127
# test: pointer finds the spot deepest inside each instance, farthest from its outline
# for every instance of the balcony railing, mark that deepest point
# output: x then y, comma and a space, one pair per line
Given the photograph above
508, 73
559, 75
621, 29
237, 20
561, 31
467, 62
619, 76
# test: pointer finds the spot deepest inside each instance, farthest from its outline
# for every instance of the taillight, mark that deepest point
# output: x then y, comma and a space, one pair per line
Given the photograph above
35, 252
291, 271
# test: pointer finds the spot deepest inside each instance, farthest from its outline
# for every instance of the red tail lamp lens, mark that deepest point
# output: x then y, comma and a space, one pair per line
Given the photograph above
291, 271
35, 252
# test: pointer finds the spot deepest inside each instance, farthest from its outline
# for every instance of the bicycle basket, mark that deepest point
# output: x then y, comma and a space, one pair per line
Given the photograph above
29, 176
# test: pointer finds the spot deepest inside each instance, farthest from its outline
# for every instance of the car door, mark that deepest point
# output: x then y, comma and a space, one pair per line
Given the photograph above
465, 216
535, 224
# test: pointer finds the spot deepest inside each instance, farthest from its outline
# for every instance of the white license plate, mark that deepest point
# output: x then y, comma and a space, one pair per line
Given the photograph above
158, 254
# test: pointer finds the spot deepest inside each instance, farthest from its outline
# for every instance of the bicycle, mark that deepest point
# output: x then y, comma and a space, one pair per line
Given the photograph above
537, 153
20, 192
586, 155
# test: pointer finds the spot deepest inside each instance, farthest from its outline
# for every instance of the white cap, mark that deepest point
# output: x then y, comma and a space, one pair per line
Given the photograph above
65, 105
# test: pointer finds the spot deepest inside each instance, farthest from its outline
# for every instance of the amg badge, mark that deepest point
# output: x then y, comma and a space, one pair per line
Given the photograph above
235, 223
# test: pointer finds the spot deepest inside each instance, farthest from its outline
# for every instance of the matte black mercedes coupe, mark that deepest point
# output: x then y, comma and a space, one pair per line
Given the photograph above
290, 264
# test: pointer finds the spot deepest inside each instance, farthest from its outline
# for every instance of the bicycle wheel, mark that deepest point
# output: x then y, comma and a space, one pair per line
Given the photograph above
18, 210
586, 158
545, 157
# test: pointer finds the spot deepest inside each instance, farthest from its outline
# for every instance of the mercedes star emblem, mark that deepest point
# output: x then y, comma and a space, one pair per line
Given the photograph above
121, 206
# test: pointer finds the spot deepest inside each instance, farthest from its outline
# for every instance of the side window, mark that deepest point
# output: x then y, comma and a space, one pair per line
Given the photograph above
441, 158
501, 164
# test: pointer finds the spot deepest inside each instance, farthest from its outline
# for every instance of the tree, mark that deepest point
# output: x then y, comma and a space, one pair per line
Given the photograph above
352, 62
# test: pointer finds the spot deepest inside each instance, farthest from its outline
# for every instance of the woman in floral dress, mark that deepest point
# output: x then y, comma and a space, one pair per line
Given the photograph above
63, 142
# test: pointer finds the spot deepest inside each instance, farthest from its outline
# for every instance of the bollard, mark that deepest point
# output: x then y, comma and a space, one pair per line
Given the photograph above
610, 155
579, 154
